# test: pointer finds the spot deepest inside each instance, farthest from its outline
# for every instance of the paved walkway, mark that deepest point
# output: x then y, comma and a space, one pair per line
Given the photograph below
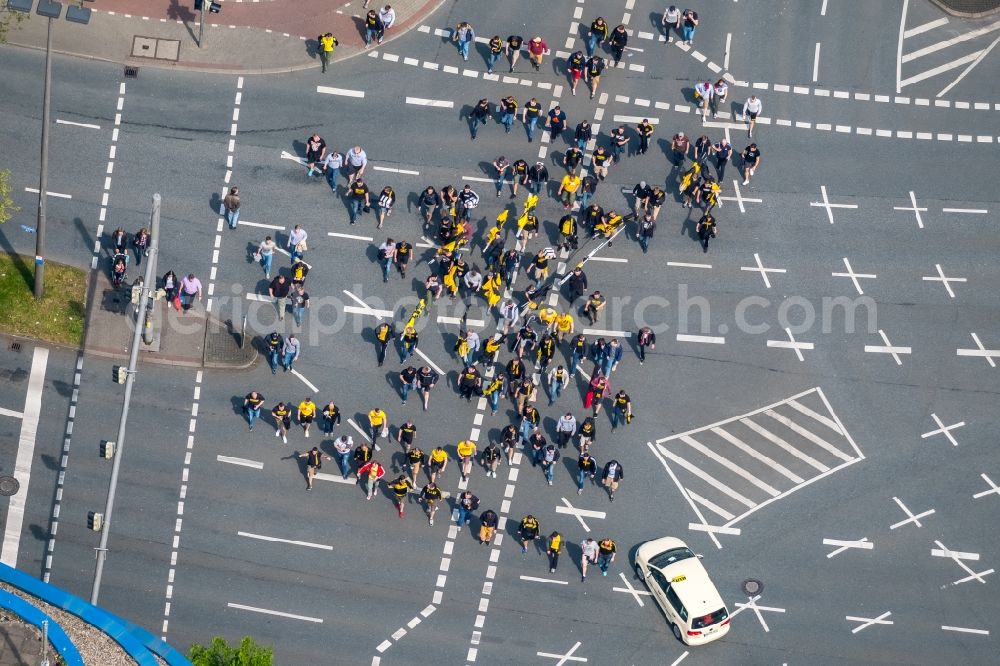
245, 37
20, 643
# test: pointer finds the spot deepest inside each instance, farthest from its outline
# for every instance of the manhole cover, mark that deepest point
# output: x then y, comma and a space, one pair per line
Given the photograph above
752, 587
8, 486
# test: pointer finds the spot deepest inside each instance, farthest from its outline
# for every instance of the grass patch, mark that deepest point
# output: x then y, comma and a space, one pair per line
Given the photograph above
58, 317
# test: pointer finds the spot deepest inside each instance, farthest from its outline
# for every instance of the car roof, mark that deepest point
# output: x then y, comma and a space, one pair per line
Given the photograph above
696, 591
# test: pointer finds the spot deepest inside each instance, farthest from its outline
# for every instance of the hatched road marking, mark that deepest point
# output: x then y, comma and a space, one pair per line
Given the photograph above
734, 467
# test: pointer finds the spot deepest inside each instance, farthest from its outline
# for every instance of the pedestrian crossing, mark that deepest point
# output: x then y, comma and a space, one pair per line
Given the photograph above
728, 470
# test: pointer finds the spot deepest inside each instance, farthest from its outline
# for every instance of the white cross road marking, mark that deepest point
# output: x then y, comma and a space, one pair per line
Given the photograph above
533, 579
943, 430
911, 518
438, 103
971, 211
955, 554
717, 529
265, 611
563, 658
343, 92
752, 605
680, 659
943, 280
982, 351
378, 314
739, 198
58, 195
854, 276
243, 462
888, 348
305, 381
916, 210
628, 589
966, 630
958, 560
867, 621
863, 544
307, 544
285, 155
763, 271
994, 489
827, 205
797, 347
580, 514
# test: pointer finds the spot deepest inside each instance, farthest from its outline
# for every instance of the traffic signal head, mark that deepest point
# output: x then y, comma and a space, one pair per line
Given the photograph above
107, 449
95, 521
119, 373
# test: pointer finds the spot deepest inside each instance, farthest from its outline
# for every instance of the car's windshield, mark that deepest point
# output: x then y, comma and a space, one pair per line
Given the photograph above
703, 621
671, 556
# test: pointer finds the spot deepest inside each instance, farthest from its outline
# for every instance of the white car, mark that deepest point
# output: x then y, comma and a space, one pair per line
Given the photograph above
678, 581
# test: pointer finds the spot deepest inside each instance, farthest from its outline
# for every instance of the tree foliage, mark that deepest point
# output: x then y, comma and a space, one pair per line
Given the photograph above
221, 653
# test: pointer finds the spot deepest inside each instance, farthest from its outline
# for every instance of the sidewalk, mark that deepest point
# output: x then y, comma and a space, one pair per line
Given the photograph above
263, 37
189, 339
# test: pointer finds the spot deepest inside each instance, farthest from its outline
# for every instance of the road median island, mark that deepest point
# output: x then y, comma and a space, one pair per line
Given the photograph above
58, 317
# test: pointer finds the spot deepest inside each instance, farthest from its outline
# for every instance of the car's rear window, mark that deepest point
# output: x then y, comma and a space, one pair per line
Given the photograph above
708, 620
671, 556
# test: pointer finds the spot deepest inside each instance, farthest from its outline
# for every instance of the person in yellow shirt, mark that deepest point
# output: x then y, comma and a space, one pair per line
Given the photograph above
548, 317
327, 43
568, 189
378, 424
438, 462
564, 326
466, 454
555, 547
307, 414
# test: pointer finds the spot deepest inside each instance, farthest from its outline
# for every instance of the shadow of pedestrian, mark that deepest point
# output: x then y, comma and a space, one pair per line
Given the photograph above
215, 203
359, 25
312, 48
25, 270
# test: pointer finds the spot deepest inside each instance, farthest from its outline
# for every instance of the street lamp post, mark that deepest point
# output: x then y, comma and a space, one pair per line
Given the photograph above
50, 10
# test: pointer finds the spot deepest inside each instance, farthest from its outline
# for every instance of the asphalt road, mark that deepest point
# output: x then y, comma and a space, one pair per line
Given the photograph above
202, 546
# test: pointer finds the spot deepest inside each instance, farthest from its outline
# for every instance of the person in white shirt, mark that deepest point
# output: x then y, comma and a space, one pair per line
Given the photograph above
671, 19
332, 164
386, 254
297, 243
558, 380
357, 160
588, 555
705, 90
265, 255
388, 16
565, 429
719, 93
344, 446
751, 109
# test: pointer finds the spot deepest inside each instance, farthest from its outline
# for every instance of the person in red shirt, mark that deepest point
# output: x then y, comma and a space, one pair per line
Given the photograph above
536, 49
369, 475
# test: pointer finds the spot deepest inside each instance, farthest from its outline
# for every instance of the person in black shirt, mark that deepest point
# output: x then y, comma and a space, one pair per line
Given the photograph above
496, 48
513, 49
583, 134
384, 334
278, 290
407, 381
557, 122
251, 406
479, 115
429, 202
644, 231
646, 338
538, 175
360, 200
595, 66
403, 253
640, 197
274, 344
706, 229
519, 175
530, 115
576, 63
723, 150
619, 143
751, 160
645, 130
618, 41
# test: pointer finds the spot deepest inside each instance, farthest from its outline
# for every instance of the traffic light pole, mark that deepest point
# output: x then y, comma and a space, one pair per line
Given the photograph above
149, 285
43, 177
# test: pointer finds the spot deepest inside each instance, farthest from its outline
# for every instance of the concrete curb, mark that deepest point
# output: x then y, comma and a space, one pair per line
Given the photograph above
945, 6
405, 27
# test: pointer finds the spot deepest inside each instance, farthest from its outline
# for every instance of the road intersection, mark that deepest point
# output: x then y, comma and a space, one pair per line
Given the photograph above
818, 414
